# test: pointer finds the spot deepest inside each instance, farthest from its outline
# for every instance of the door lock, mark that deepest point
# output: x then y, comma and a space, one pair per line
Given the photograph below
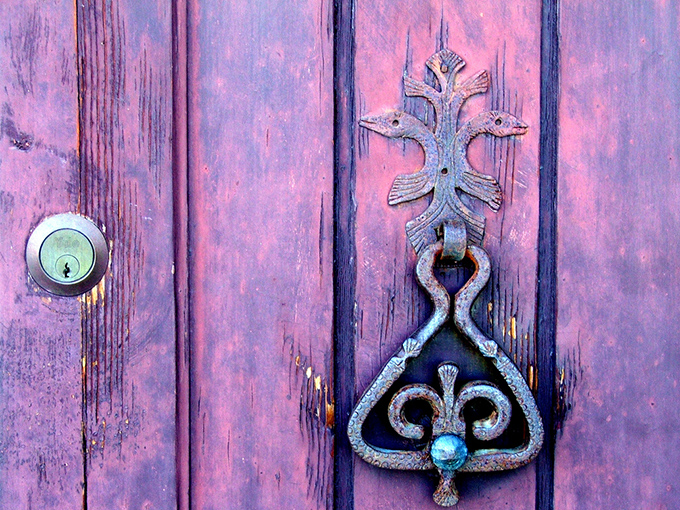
67, 254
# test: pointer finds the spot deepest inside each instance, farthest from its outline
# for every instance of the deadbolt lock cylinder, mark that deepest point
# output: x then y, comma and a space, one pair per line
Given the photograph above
67, 254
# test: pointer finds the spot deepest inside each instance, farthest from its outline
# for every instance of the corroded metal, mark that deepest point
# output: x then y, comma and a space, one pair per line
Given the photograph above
454, 235
509, 458
448, 229
446, 167
395, 366
447, 407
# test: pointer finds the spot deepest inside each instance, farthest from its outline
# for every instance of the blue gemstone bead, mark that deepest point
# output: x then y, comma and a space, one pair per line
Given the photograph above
449, 452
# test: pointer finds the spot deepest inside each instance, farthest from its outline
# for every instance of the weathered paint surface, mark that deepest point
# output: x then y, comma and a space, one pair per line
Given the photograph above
504, 39
260, 213
618, 267
87, 383
41, 462
124, 65
87, 414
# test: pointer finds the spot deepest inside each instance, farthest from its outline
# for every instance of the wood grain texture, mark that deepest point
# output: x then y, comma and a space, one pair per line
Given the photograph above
261, 230
504, 39
41, 462
180, 157
546, 288
125, 184
618, 257
344, 249
87, 118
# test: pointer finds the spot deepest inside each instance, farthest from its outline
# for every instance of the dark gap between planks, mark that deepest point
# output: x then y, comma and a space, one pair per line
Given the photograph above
546, 292
344, 248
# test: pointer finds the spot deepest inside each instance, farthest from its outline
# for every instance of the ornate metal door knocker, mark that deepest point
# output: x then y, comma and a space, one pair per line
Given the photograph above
448, 229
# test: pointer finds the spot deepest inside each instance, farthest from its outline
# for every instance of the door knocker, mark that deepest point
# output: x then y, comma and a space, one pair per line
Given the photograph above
448, 229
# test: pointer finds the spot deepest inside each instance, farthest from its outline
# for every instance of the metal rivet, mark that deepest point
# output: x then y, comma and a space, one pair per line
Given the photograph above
67, 254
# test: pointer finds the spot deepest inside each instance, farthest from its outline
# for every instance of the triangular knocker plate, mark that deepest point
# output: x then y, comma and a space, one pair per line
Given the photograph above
448, 228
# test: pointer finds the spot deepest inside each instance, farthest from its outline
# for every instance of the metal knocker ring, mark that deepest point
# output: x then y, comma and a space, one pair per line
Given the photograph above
448, 229
447, 450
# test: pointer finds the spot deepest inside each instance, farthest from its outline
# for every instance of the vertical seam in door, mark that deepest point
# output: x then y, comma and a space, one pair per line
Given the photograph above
344, 248
79, 149
546, 299
181, 250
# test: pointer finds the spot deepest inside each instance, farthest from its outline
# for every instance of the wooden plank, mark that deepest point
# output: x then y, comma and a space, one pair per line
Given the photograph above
546, 288
344, 250
41, 464
260, 208
88, 122
504, 39
124, 70
618, 257
180, 165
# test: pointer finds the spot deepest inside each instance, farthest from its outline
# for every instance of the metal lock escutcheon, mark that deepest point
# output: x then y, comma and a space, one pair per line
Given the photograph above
67, 254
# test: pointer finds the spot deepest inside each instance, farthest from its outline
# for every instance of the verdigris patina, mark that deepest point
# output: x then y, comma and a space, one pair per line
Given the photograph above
448, 228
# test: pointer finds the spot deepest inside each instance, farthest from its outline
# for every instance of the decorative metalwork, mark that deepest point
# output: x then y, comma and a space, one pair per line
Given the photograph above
446, 167
449, 229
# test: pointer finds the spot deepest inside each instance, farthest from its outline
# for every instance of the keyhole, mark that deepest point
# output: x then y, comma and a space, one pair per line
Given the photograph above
67, 269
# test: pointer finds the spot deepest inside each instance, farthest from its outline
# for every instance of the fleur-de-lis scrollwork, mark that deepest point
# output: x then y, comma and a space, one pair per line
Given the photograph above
445, 172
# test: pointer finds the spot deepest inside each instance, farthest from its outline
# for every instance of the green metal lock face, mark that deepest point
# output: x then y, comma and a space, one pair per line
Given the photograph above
67, 256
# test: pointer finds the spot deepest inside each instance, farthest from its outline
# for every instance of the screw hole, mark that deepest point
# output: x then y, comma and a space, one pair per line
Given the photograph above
445, 171
395, 122
499, 121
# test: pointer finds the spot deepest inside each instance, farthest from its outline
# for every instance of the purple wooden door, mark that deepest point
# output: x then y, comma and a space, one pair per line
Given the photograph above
259, 280
87, 398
